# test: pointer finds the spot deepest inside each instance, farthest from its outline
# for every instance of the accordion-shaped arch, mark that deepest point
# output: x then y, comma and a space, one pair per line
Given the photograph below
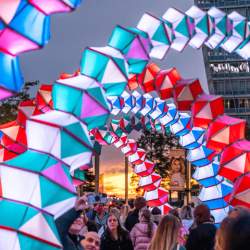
58, 141
144, 111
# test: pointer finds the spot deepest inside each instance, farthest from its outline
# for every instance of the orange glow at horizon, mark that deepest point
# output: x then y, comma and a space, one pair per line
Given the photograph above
114, 184
112, 176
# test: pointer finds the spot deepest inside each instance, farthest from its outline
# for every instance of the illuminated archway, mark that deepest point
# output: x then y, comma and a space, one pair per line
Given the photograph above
59, 142
164, 114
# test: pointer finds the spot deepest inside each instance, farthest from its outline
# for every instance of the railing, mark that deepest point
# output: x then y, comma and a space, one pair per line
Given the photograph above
226, 57
230, 74
233, 93
237, 110
228, 3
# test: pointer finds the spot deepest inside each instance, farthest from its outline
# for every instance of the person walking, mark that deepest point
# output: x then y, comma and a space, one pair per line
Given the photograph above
80, 226
166, 235
143, 231
221, 234
182, 237
114, 236
112, 210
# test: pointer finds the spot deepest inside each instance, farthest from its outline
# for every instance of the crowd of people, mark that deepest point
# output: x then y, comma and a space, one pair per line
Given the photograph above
135, 226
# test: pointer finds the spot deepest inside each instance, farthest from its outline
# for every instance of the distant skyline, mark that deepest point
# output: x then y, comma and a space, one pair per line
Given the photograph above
91, 25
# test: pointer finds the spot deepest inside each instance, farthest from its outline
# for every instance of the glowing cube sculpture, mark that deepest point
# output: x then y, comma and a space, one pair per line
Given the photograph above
62, 135
235, 160
205, 109
185, 92
72, 95
224, 131
241, 192
107, 66
134, 44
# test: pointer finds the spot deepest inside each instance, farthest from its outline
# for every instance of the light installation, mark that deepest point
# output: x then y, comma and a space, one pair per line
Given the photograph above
37, 186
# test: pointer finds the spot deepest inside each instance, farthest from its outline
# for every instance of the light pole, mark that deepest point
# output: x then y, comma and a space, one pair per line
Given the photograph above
126, 180
97, 172
188, 182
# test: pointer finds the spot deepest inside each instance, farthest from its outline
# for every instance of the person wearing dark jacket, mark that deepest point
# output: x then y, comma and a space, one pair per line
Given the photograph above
133, 216
203, 236
114, 236
64, 222
81, 226
238, 236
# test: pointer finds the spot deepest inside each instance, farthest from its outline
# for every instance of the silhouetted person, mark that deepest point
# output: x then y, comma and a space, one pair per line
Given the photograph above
202, 237
133, 216
156, 214
238, 237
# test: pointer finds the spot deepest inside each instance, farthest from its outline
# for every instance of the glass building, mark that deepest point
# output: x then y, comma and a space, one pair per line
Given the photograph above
229, 74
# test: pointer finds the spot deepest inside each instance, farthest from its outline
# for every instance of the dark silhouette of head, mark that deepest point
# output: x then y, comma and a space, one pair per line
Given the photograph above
238, 236
238, 211
202, 214
140, 202
156, 211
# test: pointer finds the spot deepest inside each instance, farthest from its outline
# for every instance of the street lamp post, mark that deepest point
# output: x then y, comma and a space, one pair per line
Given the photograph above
97, 172
188, 184
126, 180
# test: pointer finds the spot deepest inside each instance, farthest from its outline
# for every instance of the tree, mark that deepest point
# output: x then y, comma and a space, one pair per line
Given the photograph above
157, 146
8, 107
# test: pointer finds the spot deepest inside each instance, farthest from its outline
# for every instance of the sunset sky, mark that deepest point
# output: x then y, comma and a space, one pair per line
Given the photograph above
113, 172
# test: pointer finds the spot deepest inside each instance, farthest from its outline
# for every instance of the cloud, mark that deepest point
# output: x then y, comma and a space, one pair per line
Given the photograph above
114, 168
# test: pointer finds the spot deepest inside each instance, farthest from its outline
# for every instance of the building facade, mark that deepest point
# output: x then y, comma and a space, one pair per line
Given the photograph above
229, 74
